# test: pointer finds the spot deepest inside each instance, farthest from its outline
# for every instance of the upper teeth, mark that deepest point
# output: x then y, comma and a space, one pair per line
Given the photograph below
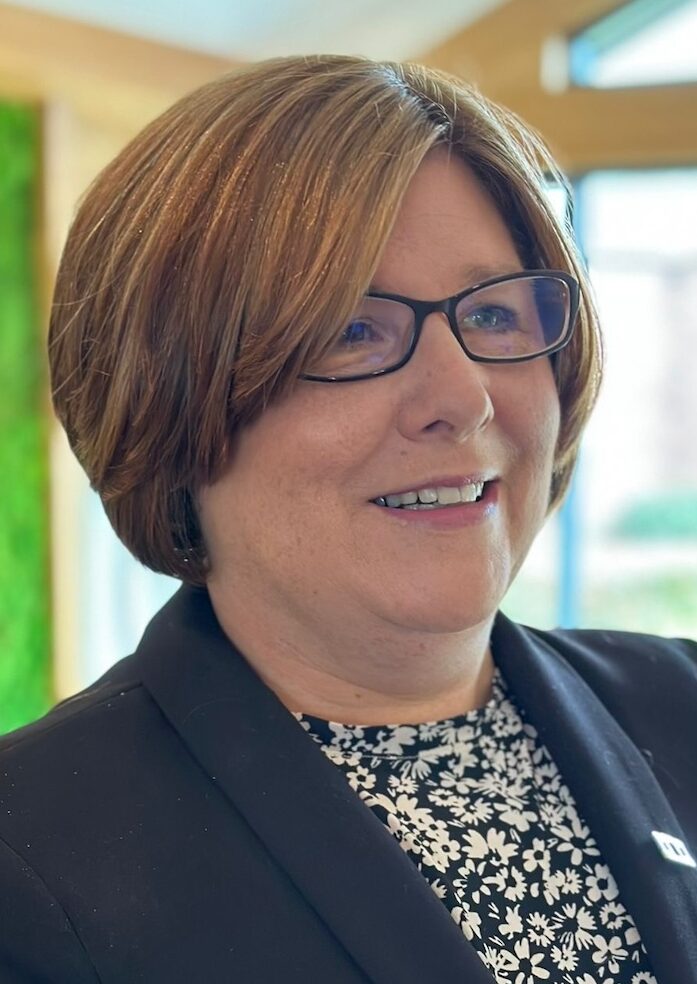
443, 495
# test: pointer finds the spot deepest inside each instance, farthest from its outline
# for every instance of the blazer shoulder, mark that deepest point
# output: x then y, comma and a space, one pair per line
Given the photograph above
649, 683
121, 679
613, 652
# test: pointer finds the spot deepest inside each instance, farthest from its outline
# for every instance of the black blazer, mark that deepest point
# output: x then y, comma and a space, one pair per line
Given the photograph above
173, 823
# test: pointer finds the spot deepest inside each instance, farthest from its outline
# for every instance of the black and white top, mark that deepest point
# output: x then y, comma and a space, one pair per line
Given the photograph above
480, 807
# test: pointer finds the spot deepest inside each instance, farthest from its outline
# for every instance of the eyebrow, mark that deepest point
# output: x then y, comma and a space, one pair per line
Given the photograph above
468, 276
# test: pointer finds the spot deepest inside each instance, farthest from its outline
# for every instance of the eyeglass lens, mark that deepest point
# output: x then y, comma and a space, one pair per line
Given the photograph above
512, 319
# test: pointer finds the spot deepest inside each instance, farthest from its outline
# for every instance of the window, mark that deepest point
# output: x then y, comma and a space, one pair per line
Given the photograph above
623, 554
646, 42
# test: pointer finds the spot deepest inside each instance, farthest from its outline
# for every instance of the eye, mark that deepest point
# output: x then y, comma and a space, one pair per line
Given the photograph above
490, 317
359, 332
375, 337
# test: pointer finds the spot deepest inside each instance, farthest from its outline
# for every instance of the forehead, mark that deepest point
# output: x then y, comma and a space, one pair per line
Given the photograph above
448, 233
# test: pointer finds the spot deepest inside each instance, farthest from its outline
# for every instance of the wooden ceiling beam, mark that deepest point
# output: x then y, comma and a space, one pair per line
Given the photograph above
606, 128
587, 128
504, 45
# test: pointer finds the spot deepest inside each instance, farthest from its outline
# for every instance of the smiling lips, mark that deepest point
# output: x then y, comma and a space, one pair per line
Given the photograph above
434, 496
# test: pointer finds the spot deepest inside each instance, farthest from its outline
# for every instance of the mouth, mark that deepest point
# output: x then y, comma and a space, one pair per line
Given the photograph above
434, 496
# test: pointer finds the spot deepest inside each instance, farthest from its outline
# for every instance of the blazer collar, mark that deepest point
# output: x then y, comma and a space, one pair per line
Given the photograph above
342, 859
615, 791
339, 854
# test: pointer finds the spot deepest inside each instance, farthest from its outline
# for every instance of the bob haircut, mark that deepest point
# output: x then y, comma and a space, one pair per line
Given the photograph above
214, 258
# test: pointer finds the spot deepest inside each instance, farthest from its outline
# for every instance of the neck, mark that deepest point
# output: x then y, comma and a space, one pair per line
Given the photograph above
385, 675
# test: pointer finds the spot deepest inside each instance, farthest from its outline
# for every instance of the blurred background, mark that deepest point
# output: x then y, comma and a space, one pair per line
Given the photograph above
612, 86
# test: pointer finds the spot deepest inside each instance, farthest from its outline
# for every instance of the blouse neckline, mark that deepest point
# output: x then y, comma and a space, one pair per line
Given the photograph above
497, 717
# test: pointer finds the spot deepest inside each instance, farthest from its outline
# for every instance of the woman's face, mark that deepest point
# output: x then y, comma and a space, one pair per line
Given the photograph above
292, 526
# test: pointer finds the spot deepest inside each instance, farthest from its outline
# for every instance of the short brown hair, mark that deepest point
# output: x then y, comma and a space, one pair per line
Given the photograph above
213, 259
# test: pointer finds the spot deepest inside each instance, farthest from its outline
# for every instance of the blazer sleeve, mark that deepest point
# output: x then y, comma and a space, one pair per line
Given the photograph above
37, 942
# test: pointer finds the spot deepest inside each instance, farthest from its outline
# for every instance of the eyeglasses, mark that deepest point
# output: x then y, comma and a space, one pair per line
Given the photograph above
514, 318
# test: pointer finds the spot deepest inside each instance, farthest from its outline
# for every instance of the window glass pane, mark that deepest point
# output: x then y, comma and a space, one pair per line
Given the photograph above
626, 550
638, 483
642, 43
120, 595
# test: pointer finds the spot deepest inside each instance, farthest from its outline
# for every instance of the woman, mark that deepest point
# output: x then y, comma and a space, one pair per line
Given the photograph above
329, 758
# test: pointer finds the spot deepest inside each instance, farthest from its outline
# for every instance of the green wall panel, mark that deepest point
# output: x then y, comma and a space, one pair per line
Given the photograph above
24, 579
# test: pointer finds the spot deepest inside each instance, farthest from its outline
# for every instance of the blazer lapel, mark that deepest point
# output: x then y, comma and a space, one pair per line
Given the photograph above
344, 862
616, 793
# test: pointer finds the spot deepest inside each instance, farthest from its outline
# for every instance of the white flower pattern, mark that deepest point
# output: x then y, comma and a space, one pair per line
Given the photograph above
480, 807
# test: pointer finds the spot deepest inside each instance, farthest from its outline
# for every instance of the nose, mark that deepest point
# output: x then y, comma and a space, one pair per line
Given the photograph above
447, 392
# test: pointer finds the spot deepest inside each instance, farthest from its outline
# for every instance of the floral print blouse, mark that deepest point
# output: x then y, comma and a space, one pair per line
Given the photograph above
479, 806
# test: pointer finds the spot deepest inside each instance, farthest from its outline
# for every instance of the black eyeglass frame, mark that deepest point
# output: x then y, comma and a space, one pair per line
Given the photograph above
448, 307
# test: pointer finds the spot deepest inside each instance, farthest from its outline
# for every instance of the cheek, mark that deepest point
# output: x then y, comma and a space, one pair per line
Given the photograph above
303, 458
551, 419
322, 441
541, 400
543, 450
544, 429
532, 426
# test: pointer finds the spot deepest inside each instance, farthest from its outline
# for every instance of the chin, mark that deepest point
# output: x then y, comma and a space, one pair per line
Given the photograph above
445, 613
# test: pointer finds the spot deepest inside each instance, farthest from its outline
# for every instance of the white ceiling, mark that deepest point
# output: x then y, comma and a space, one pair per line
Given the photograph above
253, 29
